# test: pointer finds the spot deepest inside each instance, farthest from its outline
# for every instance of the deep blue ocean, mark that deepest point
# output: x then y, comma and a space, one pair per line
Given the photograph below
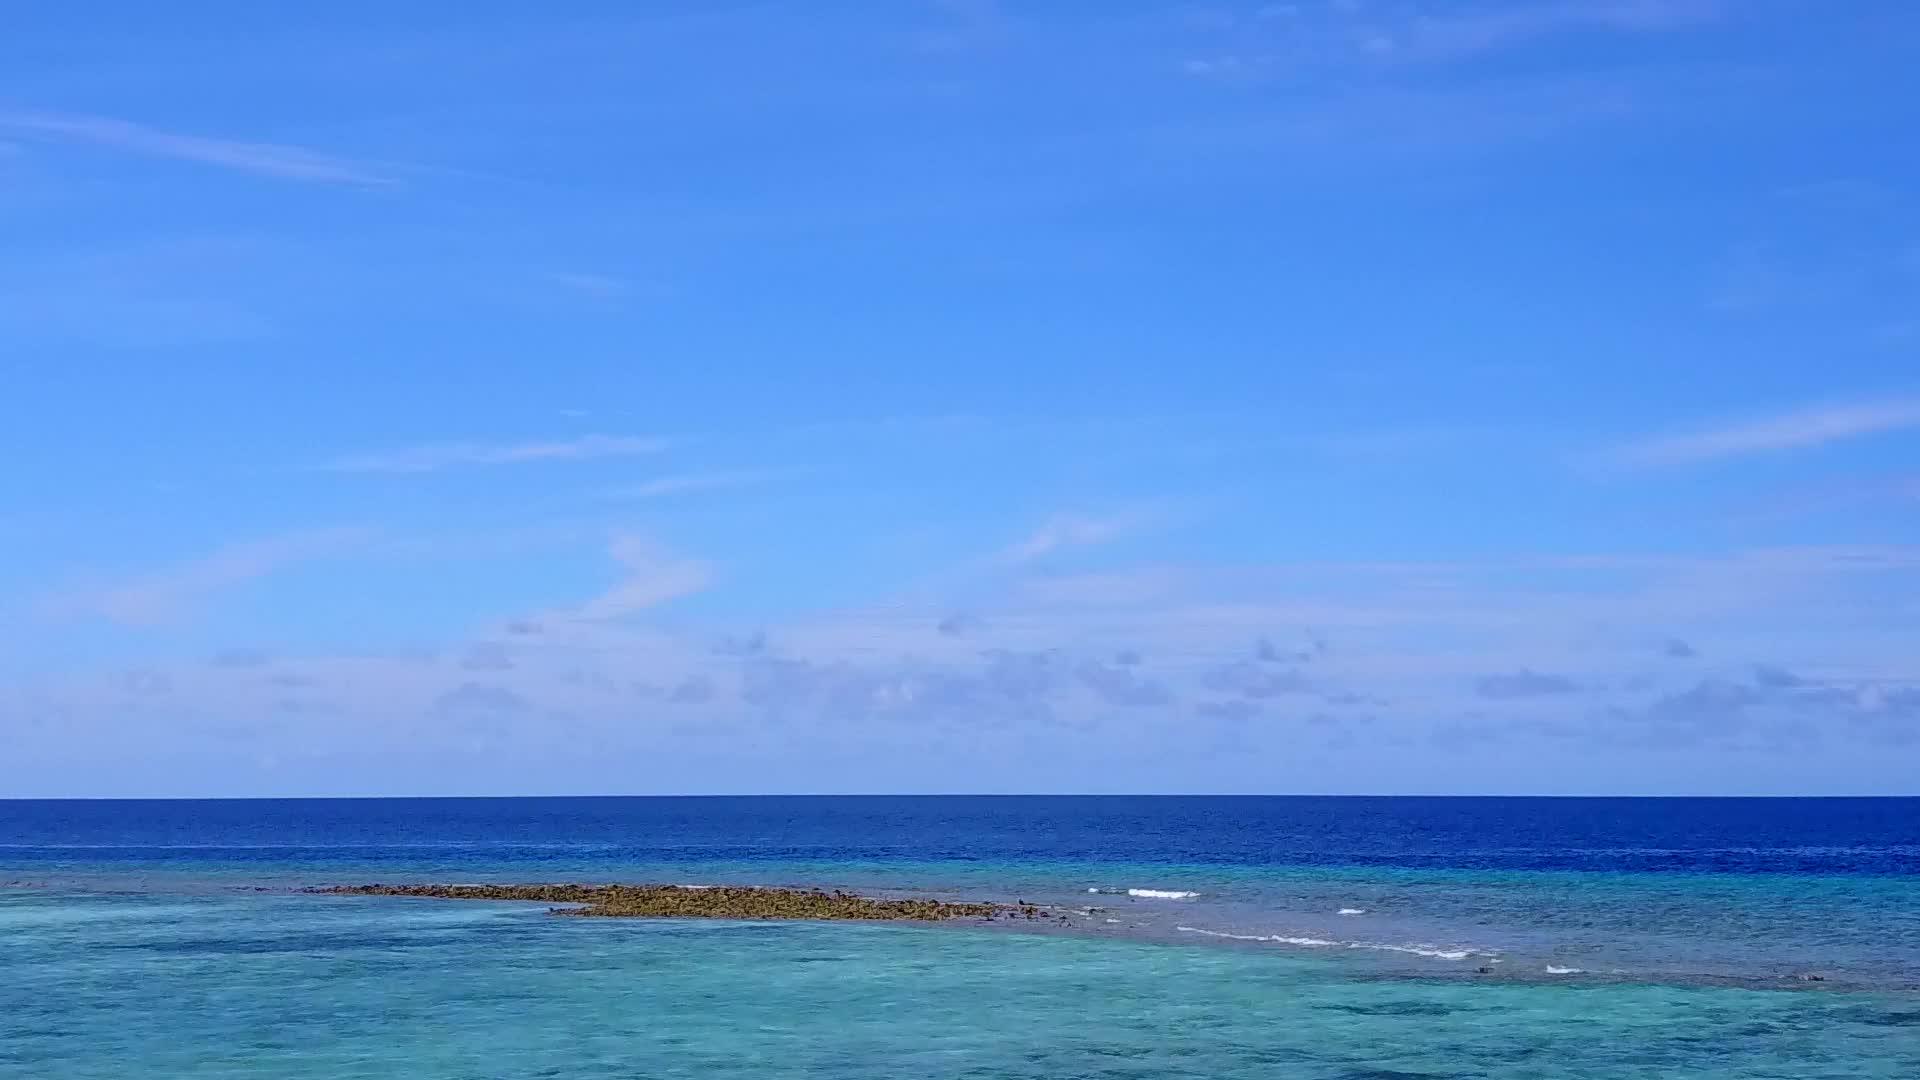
1216, 937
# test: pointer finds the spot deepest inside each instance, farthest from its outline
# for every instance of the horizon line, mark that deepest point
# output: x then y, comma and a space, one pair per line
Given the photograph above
936, 795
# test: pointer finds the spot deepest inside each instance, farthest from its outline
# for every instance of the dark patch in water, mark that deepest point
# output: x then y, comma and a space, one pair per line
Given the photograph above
1396, 1074
1890, 1019
259, 946
1279, 1055
1394, 1008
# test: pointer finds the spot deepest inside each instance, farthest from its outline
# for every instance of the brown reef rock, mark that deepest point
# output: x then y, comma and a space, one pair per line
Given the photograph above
684, 902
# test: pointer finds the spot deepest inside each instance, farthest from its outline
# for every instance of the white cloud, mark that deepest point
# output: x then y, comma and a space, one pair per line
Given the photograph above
1063, 531
265, 159
1288, 40
683, 483
170, 593
433, 458
1487, 30
1814, 426
653, 575
1407, 661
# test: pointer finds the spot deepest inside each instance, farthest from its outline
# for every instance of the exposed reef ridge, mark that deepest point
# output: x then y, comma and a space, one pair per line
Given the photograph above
709, 902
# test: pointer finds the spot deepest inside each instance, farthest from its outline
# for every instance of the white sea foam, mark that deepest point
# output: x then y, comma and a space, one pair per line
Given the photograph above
1162, 894
1323, 943
1417, 950
1224, 934
1113, 920
1552, 970
1277, 939
1353, 911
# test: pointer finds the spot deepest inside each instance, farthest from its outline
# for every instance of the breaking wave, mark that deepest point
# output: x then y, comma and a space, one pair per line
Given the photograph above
1322, 943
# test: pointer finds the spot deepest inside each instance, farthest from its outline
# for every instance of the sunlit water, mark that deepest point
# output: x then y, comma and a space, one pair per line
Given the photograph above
171, 942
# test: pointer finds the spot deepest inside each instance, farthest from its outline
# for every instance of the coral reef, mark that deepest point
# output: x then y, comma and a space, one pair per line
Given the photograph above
711, 902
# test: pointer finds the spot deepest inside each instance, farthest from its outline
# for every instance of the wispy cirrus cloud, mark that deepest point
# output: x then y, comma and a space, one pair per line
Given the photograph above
438, 456
653, 575
1066, 531
261, 158
172, 592
1886, 490
1471, 32
687, 483
1290, 38
1802, 428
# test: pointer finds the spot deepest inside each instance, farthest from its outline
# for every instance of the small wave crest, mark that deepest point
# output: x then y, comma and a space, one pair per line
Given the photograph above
1322, 943
1418, 950
1352, 911
1554, 970
1276, 938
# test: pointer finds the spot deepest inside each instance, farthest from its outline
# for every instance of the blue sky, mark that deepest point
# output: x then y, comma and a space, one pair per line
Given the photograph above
1365, 396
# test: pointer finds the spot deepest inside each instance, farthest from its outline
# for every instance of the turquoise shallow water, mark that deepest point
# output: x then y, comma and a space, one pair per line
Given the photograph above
227, 984
1270, 937
1749, 929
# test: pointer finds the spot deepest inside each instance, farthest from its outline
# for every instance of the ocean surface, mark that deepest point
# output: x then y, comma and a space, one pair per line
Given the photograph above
1208, 937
